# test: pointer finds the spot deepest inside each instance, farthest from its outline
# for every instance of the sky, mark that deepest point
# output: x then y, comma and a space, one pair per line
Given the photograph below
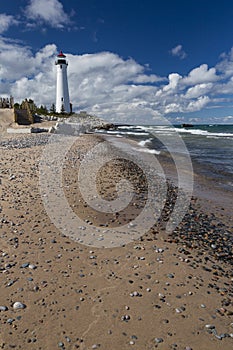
130, 61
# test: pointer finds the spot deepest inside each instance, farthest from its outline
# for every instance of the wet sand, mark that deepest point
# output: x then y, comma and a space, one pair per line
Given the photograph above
160, 291
209, 193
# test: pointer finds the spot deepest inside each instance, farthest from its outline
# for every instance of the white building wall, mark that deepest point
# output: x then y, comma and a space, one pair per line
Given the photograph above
62, 97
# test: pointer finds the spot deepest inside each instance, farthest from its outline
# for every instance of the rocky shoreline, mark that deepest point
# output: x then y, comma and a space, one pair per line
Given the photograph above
161, 291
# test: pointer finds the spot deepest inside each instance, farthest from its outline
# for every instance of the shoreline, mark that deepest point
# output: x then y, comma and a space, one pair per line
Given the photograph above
154, 292
208, 193
205, 189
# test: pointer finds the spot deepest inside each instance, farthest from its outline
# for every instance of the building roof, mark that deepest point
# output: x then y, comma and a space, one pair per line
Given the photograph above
61, 54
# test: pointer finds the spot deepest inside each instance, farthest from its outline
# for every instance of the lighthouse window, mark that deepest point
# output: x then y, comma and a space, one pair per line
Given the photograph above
62, 99
60, 66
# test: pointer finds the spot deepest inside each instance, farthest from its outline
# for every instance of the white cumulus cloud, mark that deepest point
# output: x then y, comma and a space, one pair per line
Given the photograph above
49, 11
174, 80
197, 104
17, 61
201, 74
152, 78
199, 90
6, 21
178, 51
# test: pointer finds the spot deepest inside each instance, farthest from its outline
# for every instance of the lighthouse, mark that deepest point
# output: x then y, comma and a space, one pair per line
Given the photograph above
62, 98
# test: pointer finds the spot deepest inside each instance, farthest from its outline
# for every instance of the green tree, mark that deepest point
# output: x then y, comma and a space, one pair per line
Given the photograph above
53, 108
42, 110
17, 105
62, 109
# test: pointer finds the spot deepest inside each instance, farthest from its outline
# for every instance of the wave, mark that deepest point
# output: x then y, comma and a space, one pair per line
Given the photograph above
146, 150
129, 127
128, 133
203, 132
169, 130
143, 143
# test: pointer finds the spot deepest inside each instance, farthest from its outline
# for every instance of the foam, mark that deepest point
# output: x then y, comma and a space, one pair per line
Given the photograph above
203, 132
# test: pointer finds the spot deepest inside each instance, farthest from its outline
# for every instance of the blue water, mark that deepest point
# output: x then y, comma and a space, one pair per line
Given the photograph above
210, 146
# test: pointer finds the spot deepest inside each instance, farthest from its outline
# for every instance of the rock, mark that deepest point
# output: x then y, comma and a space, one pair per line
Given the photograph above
3, 308
51, 130
10, 320
18, 305
125, 318
24, 265
158, 340
32, 266
209, 326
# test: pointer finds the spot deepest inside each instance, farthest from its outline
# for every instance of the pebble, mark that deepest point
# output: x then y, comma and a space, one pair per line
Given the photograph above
134, 337
125, 318
24, 265
32, 267
8, 266
10, 320
178, 310
159, 250
165, 321
135, 294
214, 238
26, 142
161, 296
10, 283
212, 329
209, 326
158, 340
3, 308
18, 305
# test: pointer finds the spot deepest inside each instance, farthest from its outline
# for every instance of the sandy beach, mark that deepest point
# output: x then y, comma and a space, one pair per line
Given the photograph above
159, 291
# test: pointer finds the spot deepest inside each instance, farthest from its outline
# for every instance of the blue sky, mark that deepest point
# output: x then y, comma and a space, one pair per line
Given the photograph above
129, 61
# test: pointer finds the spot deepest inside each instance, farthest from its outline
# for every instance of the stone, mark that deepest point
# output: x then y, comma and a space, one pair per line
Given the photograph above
32, 266
209, 326
3, 308
158, 340
24, 265
18, 305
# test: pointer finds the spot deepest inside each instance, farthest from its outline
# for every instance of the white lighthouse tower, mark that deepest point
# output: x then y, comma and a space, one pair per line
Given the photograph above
62, 100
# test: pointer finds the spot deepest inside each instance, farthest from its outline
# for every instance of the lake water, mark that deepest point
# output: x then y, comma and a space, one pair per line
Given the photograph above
210, 146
